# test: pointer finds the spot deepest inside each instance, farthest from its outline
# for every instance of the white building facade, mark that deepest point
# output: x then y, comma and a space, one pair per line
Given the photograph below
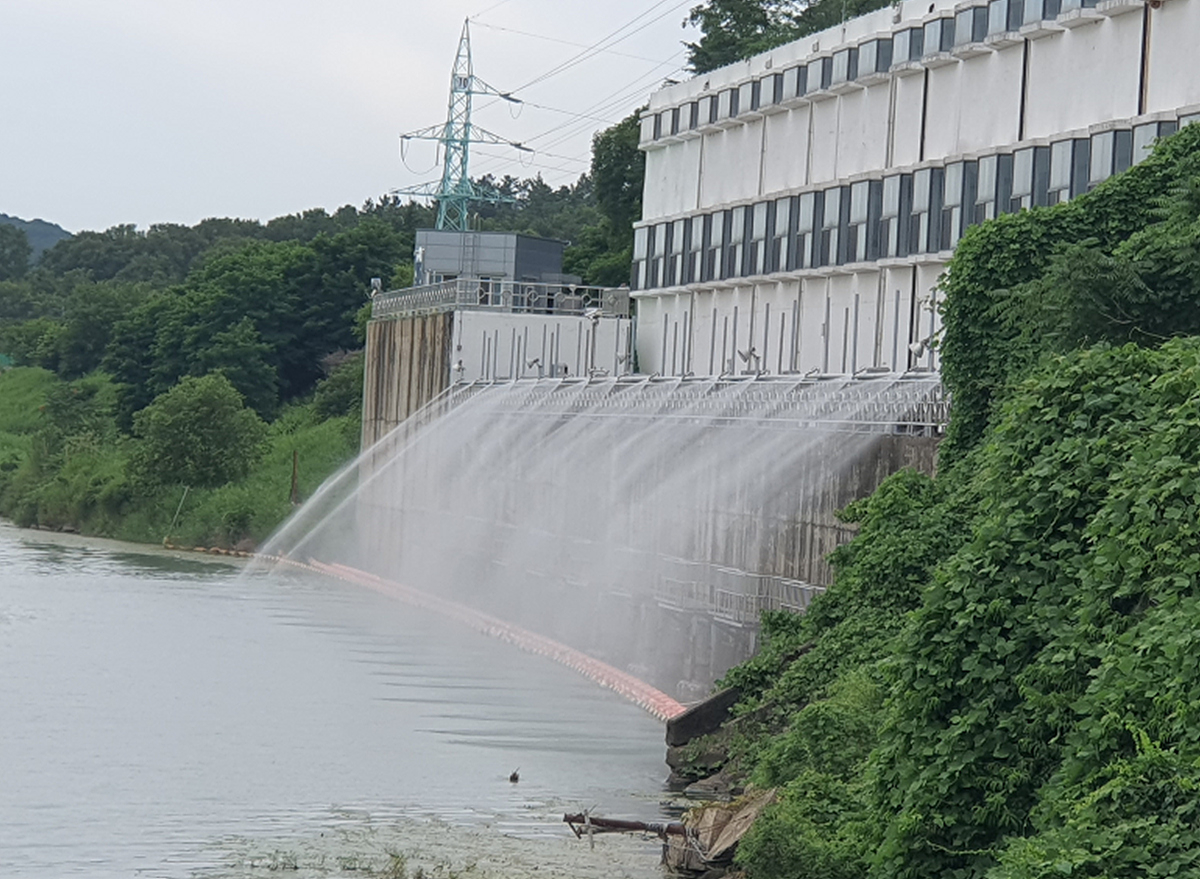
800, 206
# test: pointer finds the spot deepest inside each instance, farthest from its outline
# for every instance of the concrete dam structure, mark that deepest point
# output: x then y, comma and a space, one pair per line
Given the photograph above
642, 471
647, 521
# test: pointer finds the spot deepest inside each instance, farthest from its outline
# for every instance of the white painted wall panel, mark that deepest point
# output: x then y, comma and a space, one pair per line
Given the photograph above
897, 330
671, 176
990, 100
906, 138
786, 154
823, 160
730, 164
1174, 34
862, 138
495, 346
944, 114
1084, 76
812, 349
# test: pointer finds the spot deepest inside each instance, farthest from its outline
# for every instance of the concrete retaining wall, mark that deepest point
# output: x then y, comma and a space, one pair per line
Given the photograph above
407, 365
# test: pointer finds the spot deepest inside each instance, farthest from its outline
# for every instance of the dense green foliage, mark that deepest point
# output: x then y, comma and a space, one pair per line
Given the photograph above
199, 433
1003, 680
14, 252
813, 697
736, 29
64, 464
1112, 265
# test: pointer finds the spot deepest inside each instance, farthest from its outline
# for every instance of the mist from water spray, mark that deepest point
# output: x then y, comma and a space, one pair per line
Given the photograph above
576, 507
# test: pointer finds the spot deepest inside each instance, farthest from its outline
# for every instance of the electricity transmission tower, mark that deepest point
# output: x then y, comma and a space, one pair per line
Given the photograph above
455, 191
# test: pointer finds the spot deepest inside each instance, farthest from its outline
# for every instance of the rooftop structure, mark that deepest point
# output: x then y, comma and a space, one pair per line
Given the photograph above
444, 255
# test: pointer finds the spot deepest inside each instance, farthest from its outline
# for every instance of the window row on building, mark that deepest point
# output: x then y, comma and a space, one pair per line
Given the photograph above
901, 214
941, 40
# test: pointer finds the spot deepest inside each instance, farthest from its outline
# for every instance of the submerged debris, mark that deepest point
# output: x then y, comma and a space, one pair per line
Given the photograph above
706, 838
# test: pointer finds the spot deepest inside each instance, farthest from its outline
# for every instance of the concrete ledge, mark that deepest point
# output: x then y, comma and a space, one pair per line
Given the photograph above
703, 718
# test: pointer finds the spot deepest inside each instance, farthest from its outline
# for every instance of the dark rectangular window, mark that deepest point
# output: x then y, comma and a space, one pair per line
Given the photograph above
658, 125
694, 248
856, 225
675, 121
781, 226
889, 218
1069, 169
756, 236
805, 225
714, 241
755, 94
734, 102
874, 56
658, 250
916, 44
793, 82
693, 115
1144, 137
1041, 175
844, 67
874, 209
820, 74
641, 237
735, 237
745, 97
676, 233
1110, 152
727, 104
939, 35
1031, 178
985, 189
997, 17
777, 88
952, 215
971, 25
925, 218
828, 243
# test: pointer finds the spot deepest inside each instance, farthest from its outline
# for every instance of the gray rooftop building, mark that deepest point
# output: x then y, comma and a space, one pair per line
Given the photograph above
445, 255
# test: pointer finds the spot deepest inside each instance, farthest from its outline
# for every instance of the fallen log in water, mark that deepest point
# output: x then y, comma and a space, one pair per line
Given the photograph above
580, 821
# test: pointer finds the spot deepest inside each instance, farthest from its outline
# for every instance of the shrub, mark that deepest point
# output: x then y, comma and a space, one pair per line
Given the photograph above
199, 433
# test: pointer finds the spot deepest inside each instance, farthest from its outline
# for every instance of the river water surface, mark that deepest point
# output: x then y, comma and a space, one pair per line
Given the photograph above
163, 715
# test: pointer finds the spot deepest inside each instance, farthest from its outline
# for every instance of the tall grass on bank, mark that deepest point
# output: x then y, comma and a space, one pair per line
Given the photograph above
66, 467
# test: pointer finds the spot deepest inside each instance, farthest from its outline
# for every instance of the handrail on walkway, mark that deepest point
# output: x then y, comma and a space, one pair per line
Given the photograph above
516, 297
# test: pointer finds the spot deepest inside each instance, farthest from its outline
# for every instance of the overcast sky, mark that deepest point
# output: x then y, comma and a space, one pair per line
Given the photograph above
146, 111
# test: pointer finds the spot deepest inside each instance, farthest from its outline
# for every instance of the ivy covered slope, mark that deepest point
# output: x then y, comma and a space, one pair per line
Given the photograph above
1004, 680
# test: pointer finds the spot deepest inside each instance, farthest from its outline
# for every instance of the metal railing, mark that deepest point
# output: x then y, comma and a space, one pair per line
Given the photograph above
735, 596
908, 403
518, 297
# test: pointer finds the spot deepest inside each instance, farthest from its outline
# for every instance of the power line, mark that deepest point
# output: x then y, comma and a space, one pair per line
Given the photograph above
486, 11
622, 96
513, 30
599, 46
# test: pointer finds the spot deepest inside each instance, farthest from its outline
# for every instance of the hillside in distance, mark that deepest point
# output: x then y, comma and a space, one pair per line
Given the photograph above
42, 235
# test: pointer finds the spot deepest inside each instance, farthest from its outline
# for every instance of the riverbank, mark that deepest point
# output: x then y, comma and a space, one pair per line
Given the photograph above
65, 467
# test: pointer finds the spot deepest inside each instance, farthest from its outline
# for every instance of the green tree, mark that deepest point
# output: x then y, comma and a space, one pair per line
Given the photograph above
736, 29
618, 174
199, 433
241, 355
14, 252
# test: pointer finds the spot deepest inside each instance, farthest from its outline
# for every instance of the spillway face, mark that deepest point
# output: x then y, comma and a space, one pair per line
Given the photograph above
648, 523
